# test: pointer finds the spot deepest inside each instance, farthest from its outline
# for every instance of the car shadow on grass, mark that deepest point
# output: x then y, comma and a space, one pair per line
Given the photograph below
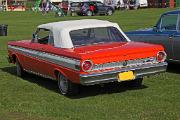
173, 67
40, 81
85, 91
109, 88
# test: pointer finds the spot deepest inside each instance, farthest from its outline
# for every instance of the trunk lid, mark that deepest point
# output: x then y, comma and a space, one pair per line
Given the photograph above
119, 51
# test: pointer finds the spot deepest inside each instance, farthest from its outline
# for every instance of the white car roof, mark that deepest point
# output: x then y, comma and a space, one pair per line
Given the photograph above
61, 29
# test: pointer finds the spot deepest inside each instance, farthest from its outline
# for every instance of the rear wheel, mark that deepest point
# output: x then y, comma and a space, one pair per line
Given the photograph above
66, 87
89, 13
109, 12
136, 7
136, 82
19, 70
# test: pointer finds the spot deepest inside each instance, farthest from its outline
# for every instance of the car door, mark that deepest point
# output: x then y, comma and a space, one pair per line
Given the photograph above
176, 46
176, 42
166, 28
163, 38
168, 25
38, 61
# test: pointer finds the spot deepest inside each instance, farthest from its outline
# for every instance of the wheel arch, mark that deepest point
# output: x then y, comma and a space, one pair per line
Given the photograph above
57, 71
109, 8
14, 58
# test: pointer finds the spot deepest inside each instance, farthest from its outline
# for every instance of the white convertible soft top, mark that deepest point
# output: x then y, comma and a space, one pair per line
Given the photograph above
61, 29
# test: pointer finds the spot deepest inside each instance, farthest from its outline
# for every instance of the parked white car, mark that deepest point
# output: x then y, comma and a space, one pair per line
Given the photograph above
135, 4
142, 3
131, 4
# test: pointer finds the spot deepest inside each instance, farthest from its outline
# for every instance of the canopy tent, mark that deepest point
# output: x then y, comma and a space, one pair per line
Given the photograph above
14, 5
73, 0
55, 0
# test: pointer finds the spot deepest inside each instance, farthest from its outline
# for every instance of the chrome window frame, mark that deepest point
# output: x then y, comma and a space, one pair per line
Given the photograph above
178, 23
49, 36
160, 24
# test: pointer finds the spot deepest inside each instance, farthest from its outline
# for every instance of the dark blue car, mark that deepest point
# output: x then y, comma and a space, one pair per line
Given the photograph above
83, 8
166, 32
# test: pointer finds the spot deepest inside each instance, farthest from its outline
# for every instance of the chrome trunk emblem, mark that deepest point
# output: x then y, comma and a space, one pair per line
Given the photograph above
125, 63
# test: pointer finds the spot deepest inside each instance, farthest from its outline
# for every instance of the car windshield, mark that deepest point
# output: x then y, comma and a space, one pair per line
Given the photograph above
97, 35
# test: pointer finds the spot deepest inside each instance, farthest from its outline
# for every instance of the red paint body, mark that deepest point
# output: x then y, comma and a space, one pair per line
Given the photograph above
98, 54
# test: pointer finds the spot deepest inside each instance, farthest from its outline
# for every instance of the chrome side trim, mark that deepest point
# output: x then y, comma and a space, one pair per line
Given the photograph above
59, 60
111, 76
173, 60
42, 75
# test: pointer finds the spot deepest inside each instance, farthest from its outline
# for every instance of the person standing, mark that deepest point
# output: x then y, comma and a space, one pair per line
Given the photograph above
91, 8
126, 4
43, 6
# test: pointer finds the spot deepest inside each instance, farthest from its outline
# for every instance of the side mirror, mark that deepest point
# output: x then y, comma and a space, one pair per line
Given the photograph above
156, 29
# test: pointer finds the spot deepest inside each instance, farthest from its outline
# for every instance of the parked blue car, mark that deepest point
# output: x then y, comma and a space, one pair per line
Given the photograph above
166, 32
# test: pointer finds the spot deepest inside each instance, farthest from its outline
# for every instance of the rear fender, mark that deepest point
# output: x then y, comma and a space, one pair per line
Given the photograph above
56, 71
13, 58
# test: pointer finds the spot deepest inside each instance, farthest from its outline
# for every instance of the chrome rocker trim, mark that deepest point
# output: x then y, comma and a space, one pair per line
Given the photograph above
111, 76
39, 74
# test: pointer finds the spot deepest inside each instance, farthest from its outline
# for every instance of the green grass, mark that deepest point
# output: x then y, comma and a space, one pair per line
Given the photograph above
36, 98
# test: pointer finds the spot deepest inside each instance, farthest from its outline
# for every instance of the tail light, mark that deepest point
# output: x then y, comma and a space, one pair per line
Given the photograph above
161, 56
87, 65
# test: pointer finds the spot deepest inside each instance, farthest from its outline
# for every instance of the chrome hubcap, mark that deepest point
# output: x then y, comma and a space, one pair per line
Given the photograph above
109, 12
63, 84
89, 13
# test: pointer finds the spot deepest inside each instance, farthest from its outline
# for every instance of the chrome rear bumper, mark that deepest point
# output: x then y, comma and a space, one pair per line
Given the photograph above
111, 76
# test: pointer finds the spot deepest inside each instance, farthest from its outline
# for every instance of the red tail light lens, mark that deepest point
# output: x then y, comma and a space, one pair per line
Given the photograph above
161, 56
87, 65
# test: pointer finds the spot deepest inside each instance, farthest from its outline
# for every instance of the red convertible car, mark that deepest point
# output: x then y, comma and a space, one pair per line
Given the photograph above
85, 52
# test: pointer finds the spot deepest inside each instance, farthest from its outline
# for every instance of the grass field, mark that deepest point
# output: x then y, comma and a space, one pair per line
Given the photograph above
36, 98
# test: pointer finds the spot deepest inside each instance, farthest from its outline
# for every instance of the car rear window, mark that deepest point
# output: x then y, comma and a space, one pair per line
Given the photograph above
97, 35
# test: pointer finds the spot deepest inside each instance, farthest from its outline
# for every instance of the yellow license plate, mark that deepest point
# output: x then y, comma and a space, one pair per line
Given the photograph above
124, 76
